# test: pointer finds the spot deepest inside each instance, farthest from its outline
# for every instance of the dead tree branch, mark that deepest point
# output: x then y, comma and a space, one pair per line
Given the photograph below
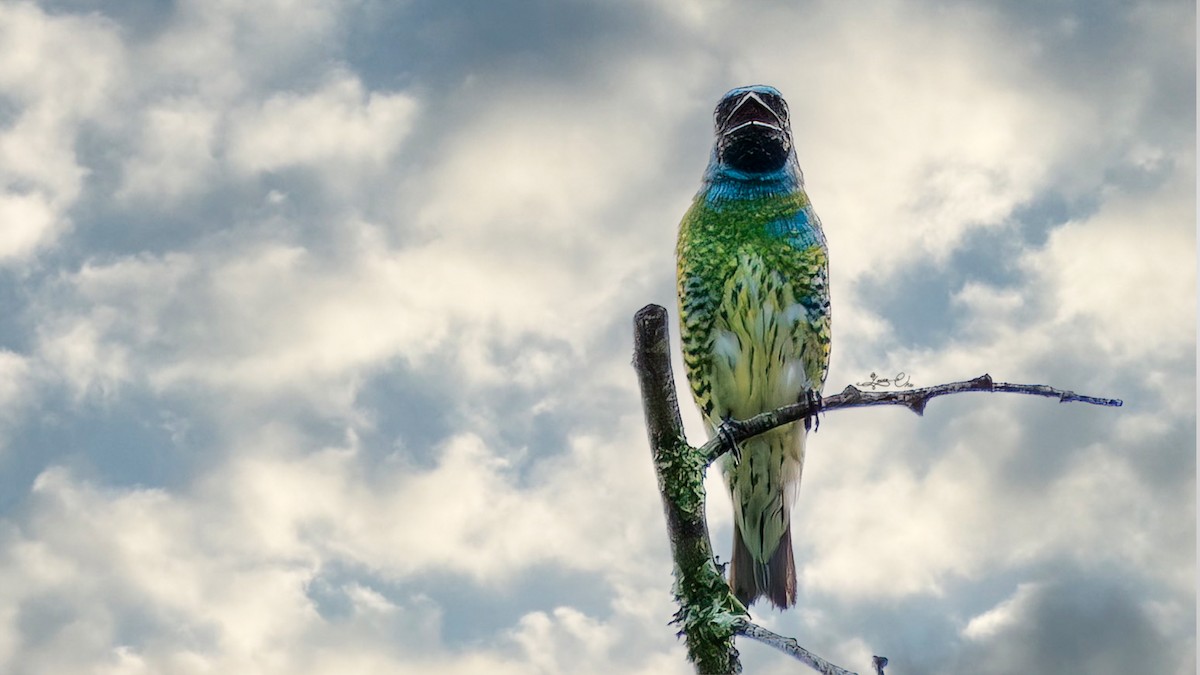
709, 615
707, 610
791, 647
736, 431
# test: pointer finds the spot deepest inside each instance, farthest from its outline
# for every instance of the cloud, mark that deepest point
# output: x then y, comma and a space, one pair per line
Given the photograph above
57, 73
225, 50
175, 156
16, 381
933, 98
320, 338
339, 125
1133, 288
31, 223
1064, 625
407, 521
256, 309
98, 564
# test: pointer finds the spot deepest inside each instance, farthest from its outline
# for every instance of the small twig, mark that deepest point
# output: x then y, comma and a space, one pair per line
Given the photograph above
792, 648
853, 397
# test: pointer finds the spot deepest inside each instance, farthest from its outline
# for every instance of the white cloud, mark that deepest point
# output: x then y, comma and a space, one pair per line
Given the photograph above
56, 72
80, 354
29, 222
269, 317
466, 515
222, 570
1002, 616
63, 65
174, 155
222, 50
880, 528
38, 154
16, 392
580, 640
508, 260
928, 124
337, 126
274, 317
1115, 290
14, 368
506, 257
1128, 275
538, 165
884, 522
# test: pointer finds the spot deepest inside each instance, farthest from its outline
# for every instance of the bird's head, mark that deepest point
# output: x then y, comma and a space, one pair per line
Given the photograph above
754, 134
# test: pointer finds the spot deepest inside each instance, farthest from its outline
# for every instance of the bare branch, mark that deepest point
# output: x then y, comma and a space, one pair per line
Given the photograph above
915, 400
792, 648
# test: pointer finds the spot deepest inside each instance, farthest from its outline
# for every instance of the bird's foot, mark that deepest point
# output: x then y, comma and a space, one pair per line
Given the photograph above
726, 432
812, 422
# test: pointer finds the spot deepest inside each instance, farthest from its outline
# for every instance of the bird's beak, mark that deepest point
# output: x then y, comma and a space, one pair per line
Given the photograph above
750, 111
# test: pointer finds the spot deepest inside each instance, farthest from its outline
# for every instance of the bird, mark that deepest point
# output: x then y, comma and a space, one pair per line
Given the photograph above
754, 313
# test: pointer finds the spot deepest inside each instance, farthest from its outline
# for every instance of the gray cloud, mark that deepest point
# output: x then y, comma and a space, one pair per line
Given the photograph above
1087, 625
325, 338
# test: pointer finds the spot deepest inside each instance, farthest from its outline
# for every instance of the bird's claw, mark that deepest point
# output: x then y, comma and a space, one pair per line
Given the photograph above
725, 432
812, 422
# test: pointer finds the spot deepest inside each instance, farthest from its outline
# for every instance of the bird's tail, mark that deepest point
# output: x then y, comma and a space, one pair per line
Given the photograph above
775, 578
764, 486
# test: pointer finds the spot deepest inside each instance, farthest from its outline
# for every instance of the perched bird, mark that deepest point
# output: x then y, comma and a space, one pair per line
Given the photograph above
753, 282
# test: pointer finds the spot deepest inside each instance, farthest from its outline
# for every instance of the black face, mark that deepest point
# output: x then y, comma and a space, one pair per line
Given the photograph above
753, 131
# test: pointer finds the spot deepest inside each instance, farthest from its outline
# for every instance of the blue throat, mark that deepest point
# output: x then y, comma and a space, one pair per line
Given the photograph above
722, 182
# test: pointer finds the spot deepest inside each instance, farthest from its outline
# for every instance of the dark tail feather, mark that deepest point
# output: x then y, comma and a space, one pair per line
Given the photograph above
775, 579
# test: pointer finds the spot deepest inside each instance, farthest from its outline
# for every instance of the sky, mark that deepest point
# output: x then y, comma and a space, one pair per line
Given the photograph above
316, 326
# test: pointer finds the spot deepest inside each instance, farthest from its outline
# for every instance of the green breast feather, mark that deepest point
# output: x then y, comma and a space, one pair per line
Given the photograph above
728, 253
